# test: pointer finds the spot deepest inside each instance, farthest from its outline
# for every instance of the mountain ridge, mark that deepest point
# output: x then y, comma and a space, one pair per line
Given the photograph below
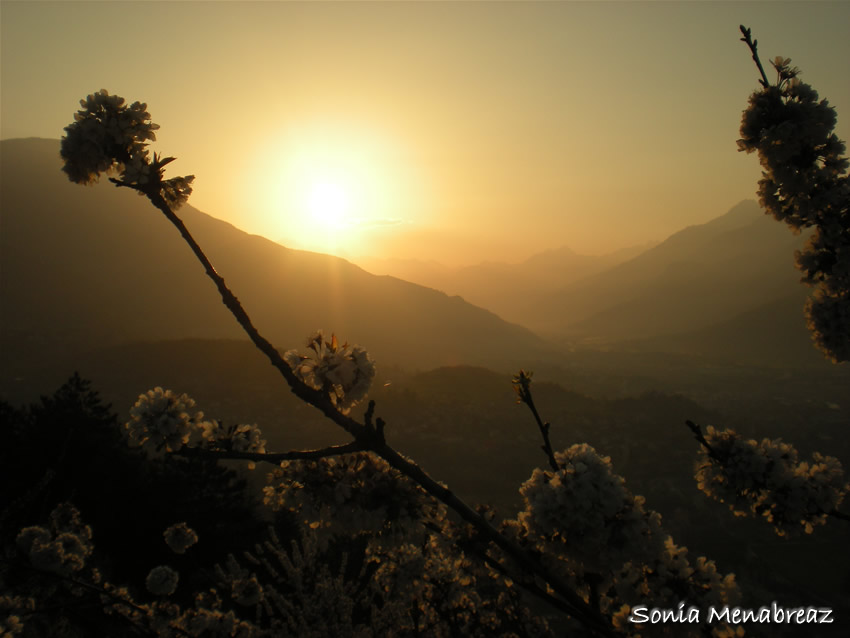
700, 275
88, 267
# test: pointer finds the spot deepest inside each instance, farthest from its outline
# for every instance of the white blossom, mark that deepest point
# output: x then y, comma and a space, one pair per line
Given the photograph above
106, 135
767, 479
109, 136
345, 372
585, 510
163, 418
246, 438
351, 494
63, 548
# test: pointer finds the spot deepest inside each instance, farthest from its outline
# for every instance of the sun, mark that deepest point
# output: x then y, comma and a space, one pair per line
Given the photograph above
326, 186
328, 203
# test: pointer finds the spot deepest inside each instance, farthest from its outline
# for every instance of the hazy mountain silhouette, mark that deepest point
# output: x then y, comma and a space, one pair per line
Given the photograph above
700, 276
509, 290
85, 267
773, 333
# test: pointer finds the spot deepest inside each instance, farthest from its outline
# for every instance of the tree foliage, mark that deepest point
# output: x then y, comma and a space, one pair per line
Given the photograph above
805, 184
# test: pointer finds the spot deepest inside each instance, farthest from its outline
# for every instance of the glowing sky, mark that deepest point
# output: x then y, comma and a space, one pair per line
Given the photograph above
446, 130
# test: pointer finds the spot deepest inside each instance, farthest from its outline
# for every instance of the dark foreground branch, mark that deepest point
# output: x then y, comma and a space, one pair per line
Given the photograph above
275, 458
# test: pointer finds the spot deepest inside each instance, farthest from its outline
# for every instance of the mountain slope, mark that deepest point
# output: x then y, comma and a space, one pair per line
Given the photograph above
774, 333
699, 276
85, 267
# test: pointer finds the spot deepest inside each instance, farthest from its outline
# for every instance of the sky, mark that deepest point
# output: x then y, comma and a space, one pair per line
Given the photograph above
453, 131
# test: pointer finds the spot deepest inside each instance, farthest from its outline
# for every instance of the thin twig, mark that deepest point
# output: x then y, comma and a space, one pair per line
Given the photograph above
839, 515
753, 44
698, 435
522, 385
274, 458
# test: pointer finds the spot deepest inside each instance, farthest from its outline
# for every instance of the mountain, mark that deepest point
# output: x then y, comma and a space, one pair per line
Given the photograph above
85, 267
774, 333
698, 277
509, 290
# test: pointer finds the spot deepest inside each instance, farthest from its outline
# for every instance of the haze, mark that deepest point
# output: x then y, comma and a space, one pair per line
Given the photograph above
458, 132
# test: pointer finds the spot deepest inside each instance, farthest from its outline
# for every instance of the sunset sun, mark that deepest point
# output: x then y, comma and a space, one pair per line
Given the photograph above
327, 203
331, 185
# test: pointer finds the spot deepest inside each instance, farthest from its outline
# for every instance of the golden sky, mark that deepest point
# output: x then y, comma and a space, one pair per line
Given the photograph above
458, 131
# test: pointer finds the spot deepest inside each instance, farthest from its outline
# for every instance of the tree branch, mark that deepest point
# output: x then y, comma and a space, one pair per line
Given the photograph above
753, 44
522, 385
698, 435
839, 515
273, 458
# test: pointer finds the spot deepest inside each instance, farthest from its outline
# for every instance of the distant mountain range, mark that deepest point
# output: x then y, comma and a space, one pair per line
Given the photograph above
727, 288
698, 277
511, 291
91, 267
84, 268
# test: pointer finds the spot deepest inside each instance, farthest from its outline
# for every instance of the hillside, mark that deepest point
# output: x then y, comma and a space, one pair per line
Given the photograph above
89, 267
698, 277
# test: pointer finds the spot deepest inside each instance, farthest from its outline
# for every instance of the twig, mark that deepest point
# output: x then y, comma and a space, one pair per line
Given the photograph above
274, 458
522, 385
698, 435
753, 44
839, 515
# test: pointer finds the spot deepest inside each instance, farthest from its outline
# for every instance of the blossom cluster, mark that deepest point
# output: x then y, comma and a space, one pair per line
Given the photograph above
667, 580
766, 479
437, 583
180, 537
586, 510
163, 419
108, 135
345, 372
162, 581
63, 548
351, 494
805, 184
609, 546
